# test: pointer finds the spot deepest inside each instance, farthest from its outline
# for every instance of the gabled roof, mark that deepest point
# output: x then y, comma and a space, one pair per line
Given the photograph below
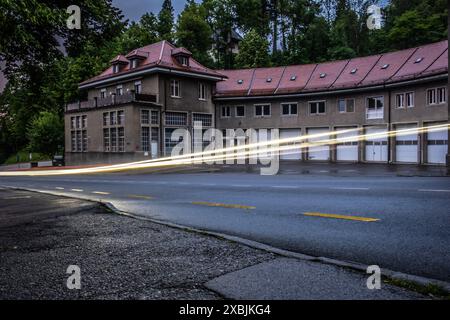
158, 55
392, 67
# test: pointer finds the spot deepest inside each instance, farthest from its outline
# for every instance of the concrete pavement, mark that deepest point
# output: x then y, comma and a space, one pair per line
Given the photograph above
124, 258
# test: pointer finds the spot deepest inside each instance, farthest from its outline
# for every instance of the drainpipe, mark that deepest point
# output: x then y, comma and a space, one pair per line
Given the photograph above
389, 145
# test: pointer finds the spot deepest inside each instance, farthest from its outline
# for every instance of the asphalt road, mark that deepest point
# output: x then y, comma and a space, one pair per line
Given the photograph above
412, 234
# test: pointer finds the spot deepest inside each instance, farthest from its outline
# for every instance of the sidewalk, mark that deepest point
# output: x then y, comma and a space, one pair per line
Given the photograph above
126, 258
345, 169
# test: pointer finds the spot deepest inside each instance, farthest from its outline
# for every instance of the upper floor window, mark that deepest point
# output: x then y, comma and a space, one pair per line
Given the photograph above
103, 93
436, 96
138, 87
84, 122
175, 89
112, 118
442, 95
317, 107
202, 91
289, 109
375, 107
346, 105
240, 111
403, 100
119, 90
226, 111
262, 110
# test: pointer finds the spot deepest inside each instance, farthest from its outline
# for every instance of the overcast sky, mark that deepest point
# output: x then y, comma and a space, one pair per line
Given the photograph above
134, 9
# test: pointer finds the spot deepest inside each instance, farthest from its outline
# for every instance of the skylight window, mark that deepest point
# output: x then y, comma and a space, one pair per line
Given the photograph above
323, 75
354, 71
269, 80
240, 81
418, 60
293, 78
385, 66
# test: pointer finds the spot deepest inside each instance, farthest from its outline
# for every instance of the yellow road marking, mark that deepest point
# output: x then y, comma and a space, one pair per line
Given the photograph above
224, 205
100, 192
77, 190
140, 197
339, 216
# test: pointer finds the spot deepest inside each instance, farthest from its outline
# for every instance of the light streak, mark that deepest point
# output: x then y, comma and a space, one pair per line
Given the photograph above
243, 151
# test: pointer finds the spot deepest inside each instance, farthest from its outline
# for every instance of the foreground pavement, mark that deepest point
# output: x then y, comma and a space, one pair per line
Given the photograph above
126, 258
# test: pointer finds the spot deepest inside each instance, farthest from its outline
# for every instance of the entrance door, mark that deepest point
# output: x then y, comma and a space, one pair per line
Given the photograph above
376, 149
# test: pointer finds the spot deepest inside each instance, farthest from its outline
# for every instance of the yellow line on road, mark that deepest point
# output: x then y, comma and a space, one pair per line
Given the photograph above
339, 216
100, 192
140, 197
223, 205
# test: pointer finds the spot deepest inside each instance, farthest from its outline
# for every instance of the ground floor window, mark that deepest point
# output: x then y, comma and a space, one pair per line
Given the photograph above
114, 139
204, 118
168, 143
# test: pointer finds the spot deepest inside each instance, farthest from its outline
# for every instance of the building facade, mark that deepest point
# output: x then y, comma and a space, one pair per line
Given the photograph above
134, 106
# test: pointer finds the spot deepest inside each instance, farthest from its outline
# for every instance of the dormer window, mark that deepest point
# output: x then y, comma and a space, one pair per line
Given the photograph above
184, 61
182, 56
117, 62
134, 63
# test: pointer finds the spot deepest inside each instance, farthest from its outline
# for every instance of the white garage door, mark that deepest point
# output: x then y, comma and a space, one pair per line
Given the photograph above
406, 145
437, 146
376, 149
347, 150
291, 154
321, 152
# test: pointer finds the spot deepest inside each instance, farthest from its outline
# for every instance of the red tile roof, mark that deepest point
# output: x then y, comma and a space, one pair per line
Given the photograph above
358, 72
181, 50
157, 55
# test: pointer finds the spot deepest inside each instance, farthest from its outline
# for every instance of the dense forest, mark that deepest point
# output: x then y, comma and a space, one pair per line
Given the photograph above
44, 60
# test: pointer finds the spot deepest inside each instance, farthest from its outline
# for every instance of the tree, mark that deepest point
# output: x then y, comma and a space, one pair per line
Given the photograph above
165, 21
194, 33
46, 133
253, 51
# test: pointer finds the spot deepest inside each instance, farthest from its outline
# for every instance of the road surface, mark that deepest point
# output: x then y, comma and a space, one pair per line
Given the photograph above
410, 232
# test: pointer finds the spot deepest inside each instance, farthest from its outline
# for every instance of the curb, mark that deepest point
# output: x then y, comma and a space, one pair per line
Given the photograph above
419, 280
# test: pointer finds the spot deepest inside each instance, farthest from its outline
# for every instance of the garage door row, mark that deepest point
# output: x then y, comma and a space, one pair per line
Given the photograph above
374, 147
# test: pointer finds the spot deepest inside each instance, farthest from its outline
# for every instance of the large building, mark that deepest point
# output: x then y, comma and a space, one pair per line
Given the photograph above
134, 106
